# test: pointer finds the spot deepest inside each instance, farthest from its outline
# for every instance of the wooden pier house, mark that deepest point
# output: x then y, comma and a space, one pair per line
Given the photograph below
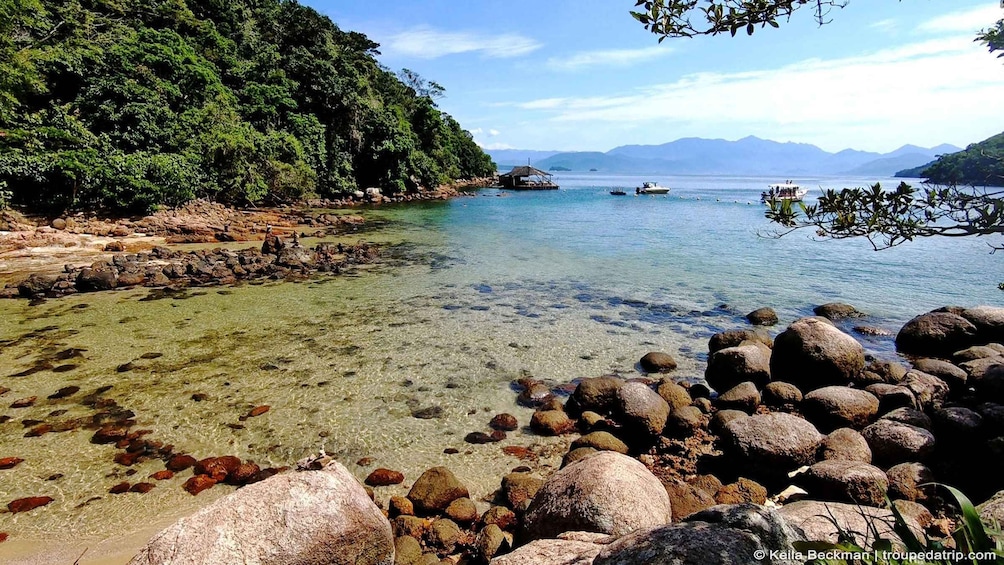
526, 177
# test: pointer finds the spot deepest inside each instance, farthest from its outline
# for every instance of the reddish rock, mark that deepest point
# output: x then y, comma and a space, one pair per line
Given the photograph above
127, 459
120, 488
198, 483
24, 402
180, 463
257, 411
217, 467
9, 462
64, 392
109, 434
3, 537
39, 430
504, 422
265, 473
162, 475
518, 452
142, 488
26, 504
384, 477
365, 461
243, 474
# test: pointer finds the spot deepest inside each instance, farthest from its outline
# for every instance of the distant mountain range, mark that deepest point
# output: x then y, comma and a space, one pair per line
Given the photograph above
747, 156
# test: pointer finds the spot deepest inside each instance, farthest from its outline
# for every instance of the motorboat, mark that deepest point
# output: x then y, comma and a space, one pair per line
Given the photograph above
618, 192
783, 191
651, 188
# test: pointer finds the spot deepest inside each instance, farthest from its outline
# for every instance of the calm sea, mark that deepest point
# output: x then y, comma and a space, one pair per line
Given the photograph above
470, 294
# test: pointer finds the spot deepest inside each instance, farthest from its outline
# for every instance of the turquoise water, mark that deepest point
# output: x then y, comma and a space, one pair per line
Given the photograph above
469, 295
704, 245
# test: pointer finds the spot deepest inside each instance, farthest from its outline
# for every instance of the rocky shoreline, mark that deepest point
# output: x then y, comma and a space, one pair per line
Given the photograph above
132, 251
804, 439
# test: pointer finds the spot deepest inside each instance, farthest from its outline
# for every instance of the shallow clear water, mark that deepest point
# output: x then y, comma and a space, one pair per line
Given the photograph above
471, 294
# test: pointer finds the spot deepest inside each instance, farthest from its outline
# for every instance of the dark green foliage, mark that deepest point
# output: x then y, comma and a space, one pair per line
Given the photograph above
129, 104
891, 217
980, 164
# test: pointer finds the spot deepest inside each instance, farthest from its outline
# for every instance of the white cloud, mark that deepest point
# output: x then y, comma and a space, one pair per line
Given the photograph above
885, 26
927, 91
476, 131
968, 20
493, 132
607, 58
426, 43
494, 146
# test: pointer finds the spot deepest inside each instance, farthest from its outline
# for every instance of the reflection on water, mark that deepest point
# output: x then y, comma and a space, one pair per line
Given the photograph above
470, 295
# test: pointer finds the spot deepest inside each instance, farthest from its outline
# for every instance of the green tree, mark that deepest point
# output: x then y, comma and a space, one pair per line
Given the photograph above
128, 104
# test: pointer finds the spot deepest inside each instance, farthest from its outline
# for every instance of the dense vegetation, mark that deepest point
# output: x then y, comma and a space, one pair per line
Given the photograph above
127, 104
980, 164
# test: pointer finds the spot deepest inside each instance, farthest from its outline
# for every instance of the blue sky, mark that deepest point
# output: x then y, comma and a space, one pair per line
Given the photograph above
584, 75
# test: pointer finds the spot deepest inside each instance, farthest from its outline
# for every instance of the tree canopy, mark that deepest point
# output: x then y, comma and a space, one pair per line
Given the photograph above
127, 104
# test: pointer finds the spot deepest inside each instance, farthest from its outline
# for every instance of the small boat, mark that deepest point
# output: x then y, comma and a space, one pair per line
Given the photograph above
651, 188
783, 191
618, 192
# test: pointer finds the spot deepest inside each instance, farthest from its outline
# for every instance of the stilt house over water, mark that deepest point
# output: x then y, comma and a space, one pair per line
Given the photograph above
526, 177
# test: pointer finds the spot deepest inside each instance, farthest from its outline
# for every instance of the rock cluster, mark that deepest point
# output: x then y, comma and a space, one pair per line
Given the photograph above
671, 472
162, 267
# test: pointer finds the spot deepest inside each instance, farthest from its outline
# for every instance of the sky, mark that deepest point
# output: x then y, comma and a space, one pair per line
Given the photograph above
583, 75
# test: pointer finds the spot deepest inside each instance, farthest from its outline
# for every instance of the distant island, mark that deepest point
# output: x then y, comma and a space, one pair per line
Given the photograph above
749, 156
559, 168
980, 164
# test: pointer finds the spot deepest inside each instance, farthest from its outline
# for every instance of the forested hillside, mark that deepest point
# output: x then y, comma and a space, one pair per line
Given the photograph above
127, 104
980, 164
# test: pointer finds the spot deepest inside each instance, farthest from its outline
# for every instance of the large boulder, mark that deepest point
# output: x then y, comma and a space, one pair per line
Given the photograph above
551, 552
657, 362
936, 334
992, 511
596, 394
989, 322
726, 535
837, 311
891, 397
36, 285
642, 411
906, 480
909, 416
824, 521
97, 278
765, 316
305, 518
812, 353
675, 395
606, 492
733, 365
685, 498
732, 338
743, 396
846, 481
930, 391
779, 394
770, 445
895, 442
845, 444
835, 407
435, 490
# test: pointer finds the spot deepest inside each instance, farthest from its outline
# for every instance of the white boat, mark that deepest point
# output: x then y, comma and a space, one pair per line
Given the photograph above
783, 191
651, 188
